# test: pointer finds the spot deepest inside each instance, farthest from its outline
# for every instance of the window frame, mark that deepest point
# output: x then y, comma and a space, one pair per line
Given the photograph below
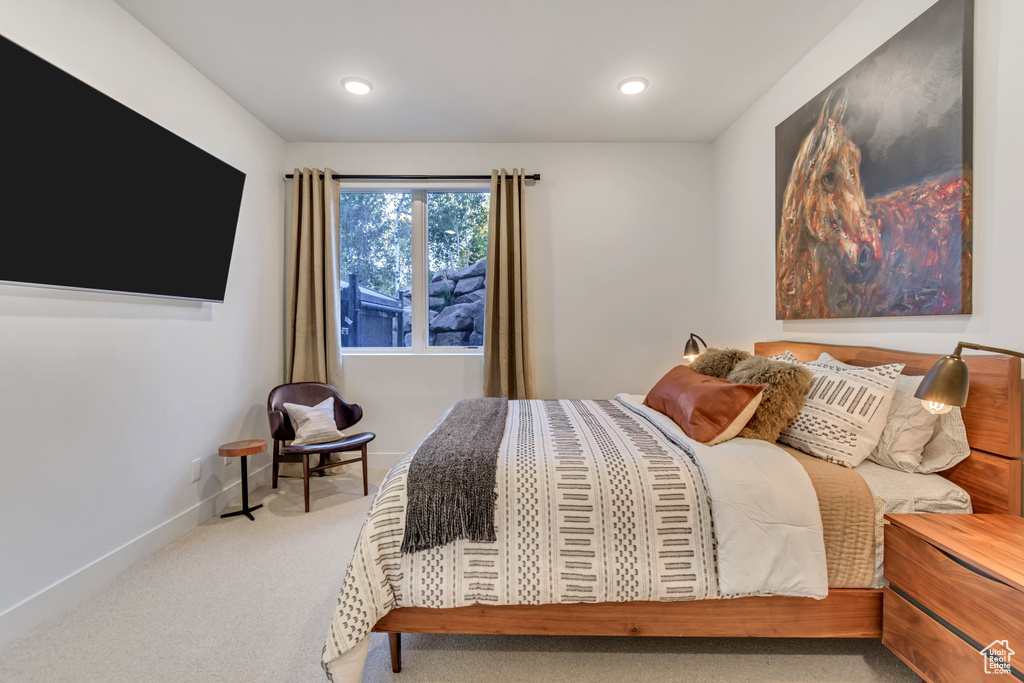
420, 266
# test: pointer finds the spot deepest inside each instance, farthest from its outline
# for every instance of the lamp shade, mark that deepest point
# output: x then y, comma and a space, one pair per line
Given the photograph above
691, 348
946, 383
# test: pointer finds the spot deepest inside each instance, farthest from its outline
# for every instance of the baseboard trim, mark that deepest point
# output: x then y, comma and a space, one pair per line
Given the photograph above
19, 620
384, 461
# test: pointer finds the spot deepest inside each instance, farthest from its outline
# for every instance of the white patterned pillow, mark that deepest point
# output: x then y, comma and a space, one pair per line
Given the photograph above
314, 424
915, 440
908, 428
844, 413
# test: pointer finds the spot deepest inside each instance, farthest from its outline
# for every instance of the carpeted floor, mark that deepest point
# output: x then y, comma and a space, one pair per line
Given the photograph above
251, 601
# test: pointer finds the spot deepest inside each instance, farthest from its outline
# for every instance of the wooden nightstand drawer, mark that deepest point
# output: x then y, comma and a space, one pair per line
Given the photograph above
982, 608
935, 653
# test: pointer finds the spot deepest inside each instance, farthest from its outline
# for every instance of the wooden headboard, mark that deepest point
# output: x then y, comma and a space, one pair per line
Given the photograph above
992, 473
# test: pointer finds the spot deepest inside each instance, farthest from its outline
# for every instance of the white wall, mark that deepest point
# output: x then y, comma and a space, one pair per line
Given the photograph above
105, 399
744, 160
618, 245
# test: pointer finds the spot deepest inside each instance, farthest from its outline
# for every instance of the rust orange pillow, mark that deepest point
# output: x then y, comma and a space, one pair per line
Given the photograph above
708, 409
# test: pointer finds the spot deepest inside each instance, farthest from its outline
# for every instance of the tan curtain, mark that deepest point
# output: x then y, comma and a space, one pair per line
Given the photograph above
314, 292
507, 369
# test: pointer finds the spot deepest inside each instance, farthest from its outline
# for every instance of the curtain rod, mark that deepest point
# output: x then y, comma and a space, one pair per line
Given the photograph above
338, 176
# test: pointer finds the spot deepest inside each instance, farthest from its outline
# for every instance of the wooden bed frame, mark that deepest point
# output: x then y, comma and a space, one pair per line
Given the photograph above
991, 475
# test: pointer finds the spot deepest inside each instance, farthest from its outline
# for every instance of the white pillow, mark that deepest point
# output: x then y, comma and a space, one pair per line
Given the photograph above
915, 440
845, 411
314, 424
949, 445
908, 428
902, 492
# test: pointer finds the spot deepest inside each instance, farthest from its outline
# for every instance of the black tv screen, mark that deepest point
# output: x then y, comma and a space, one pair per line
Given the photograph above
96, 196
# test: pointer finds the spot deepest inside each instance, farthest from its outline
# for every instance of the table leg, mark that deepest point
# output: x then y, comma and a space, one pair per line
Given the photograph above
246, 510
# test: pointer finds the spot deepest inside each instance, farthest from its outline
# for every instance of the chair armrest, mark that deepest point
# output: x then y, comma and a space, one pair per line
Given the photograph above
347, 414
279, 426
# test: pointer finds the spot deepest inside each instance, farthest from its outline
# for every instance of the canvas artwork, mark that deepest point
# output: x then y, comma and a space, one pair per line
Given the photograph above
873, 181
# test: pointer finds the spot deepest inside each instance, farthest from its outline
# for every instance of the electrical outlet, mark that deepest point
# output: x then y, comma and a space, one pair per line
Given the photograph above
197, 469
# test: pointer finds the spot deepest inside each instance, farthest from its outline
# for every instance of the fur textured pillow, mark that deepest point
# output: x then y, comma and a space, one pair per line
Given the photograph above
718, 362
781, 400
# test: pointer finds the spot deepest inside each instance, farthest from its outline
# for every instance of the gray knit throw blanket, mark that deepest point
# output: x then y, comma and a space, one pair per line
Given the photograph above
451, 478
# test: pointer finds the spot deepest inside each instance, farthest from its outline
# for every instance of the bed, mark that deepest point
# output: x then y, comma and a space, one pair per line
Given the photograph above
991, 476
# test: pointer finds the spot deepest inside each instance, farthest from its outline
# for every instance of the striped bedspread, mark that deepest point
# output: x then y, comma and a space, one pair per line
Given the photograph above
595, 503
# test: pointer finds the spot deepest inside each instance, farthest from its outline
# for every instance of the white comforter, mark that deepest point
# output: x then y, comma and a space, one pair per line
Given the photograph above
598, 501
767, 522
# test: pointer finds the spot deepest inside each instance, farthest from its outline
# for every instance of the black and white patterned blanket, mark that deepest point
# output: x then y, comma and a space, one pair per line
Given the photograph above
594, 504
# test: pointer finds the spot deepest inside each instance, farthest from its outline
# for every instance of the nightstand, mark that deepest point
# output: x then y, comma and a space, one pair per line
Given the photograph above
956, 589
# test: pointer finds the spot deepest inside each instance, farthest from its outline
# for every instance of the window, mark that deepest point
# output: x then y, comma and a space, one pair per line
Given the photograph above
413, 268
376, 267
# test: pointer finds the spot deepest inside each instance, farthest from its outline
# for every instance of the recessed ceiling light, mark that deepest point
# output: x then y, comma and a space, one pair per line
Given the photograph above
632, 85
357, 86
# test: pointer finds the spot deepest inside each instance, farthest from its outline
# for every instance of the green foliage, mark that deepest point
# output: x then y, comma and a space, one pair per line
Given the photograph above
376, 239
457, 224
376, 235
447, 292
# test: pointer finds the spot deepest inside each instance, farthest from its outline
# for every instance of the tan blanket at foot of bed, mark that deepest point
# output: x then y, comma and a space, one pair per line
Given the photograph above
848, 521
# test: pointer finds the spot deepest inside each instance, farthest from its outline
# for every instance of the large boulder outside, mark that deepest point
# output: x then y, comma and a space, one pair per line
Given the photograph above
451, 339
477, 309
455, 318
475, 339
435, 303
469, 284
438, 288
472, 297
478, 269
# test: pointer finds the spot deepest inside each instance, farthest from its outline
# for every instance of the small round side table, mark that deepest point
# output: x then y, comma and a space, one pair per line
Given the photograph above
243, 449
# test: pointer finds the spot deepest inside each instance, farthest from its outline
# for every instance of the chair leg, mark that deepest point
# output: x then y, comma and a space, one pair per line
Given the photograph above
366, 490
305, 478
323, 460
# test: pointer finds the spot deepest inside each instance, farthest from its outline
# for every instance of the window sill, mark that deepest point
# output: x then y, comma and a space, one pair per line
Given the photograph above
450, 351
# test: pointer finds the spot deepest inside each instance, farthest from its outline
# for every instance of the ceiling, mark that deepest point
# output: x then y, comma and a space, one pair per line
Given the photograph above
486, 71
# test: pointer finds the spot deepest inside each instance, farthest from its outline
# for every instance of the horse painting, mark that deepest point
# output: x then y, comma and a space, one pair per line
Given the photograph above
840, 254
873, 180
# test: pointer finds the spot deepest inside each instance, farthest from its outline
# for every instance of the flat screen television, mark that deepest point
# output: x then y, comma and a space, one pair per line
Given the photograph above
95, 196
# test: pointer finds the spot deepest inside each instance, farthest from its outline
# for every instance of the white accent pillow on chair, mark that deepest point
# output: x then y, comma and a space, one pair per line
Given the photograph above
314, 424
